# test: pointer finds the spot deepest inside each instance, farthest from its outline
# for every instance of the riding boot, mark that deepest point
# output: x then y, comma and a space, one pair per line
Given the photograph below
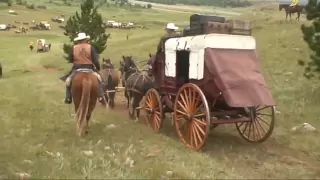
68, 99
100, 99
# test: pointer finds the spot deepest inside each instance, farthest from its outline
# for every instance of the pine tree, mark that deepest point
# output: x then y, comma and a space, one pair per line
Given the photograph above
90, 22
311, 35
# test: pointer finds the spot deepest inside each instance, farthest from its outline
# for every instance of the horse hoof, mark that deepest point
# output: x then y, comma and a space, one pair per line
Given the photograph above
86, 132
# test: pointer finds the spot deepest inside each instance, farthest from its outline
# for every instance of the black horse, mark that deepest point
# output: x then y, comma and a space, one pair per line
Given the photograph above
291, 10
136, 84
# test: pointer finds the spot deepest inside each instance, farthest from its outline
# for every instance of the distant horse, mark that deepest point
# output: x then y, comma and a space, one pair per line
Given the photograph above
136, 84
31, 47
291, 10
0, 70
85, 92
111, 81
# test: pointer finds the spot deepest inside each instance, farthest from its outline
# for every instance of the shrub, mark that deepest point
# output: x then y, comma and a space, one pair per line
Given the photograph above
41, 7
30, 6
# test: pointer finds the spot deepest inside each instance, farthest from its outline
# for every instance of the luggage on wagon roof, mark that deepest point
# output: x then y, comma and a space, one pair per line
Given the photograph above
199, 23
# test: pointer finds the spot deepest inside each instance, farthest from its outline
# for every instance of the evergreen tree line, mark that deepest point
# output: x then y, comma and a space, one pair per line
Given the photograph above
218, 3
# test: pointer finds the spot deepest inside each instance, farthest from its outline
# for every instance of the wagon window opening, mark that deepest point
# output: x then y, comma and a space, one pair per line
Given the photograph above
182, 67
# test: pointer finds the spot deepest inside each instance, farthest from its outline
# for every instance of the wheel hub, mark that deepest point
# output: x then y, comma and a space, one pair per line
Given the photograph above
188, 117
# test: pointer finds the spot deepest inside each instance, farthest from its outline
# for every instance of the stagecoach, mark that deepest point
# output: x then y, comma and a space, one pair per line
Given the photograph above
205, 80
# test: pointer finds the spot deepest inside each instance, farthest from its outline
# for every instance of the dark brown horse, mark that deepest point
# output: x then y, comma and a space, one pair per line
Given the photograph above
136, 84
291, 10
110, 79
85, 92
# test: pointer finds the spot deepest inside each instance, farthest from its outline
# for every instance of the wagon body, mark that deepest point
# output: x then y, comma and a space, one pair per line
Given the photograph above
206, 80
219, 64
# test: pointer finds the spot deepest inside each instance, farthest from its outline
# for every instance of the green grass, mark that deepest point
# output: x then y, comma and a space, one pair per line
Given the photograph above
34, 121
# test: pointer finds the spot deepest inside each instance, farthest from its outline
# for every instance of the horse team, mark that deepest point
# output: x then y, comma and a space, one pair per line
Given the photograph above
85, 89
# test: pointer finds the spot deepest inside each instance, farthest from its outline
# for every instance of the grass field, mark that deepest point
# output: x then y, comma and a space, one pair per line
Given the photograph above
37, 133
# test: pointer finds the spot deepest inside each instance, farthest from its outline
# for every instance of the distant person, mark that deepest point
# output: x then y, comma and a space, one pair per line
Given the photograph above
294, 3
31, 46
170, 32
83, 56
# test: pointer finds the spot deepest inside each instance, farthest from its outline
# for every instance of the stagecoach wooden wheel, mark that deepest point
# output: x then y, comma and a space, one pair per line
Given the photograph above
192, 116
154, 110
261, 125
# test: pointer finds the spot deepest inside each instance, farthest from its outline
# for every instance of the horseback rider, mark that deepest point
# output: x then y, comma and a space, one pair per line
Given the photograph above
83, 56
170, 32
294, 3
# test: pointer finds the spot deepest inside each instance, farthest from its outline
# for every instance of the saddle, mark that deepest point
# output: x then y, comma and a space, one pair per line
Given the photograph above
69, 78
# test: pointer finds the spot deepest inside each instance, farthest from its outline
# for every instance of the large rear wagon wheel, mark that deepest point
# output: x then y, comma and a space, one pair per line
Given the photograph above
154, 110
192, 116
261, 125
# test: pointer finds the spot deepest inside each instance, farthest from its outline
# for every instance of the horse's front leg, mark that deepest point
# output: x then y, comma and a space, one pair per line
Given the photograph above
136, 103
290, 17
286, 16
298, 17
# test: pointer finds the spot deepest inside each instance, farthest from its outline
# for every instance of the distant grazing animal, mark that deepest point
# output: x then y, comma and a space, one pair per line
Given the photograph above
111, 81
136, 84
291, 10
0, 70
85, 92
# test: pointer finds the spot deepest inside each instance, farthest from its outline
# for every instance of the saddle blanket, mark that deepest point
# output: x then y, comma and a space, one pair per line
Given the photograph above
68, 80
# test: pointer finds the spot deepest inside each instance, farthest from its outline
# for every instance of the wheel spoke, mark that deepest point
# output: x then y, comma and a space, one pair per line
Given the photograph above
263, 120
183, 113
195, 134
182, 106
183, 100
156, 121
253, 130
198, 127
187, 98
198, 121
256, 124
265, 131
264, 114
261, 108
199, 115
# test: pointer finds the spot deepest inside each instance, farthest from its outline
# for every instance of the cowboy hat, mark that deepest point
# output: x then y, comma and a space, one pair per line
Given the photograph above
172, 26
81, 36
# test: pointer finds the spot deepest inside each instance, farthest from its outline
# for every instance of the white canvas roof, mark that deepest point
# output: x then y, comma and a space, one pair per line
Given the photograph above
196, 45
218, 41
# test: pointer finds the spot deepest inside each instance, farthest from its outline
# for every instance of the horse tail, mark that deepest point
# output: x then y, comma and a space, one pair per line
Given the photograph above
110, 84
84, 103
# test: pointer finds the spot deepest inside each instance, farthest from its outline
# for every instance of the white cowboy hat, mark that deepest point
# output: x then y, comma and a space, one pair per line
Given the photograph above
172, 26
81, 36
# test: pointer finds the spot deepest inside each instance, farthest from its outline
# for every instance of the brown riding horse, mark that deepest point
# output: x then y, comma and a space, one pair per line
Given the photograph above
111, 81
291, 10
85, 92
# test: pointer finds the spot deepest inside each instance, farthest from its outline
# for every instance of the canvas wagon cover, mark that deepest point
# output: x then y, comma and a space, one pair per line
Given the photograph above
237, 74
